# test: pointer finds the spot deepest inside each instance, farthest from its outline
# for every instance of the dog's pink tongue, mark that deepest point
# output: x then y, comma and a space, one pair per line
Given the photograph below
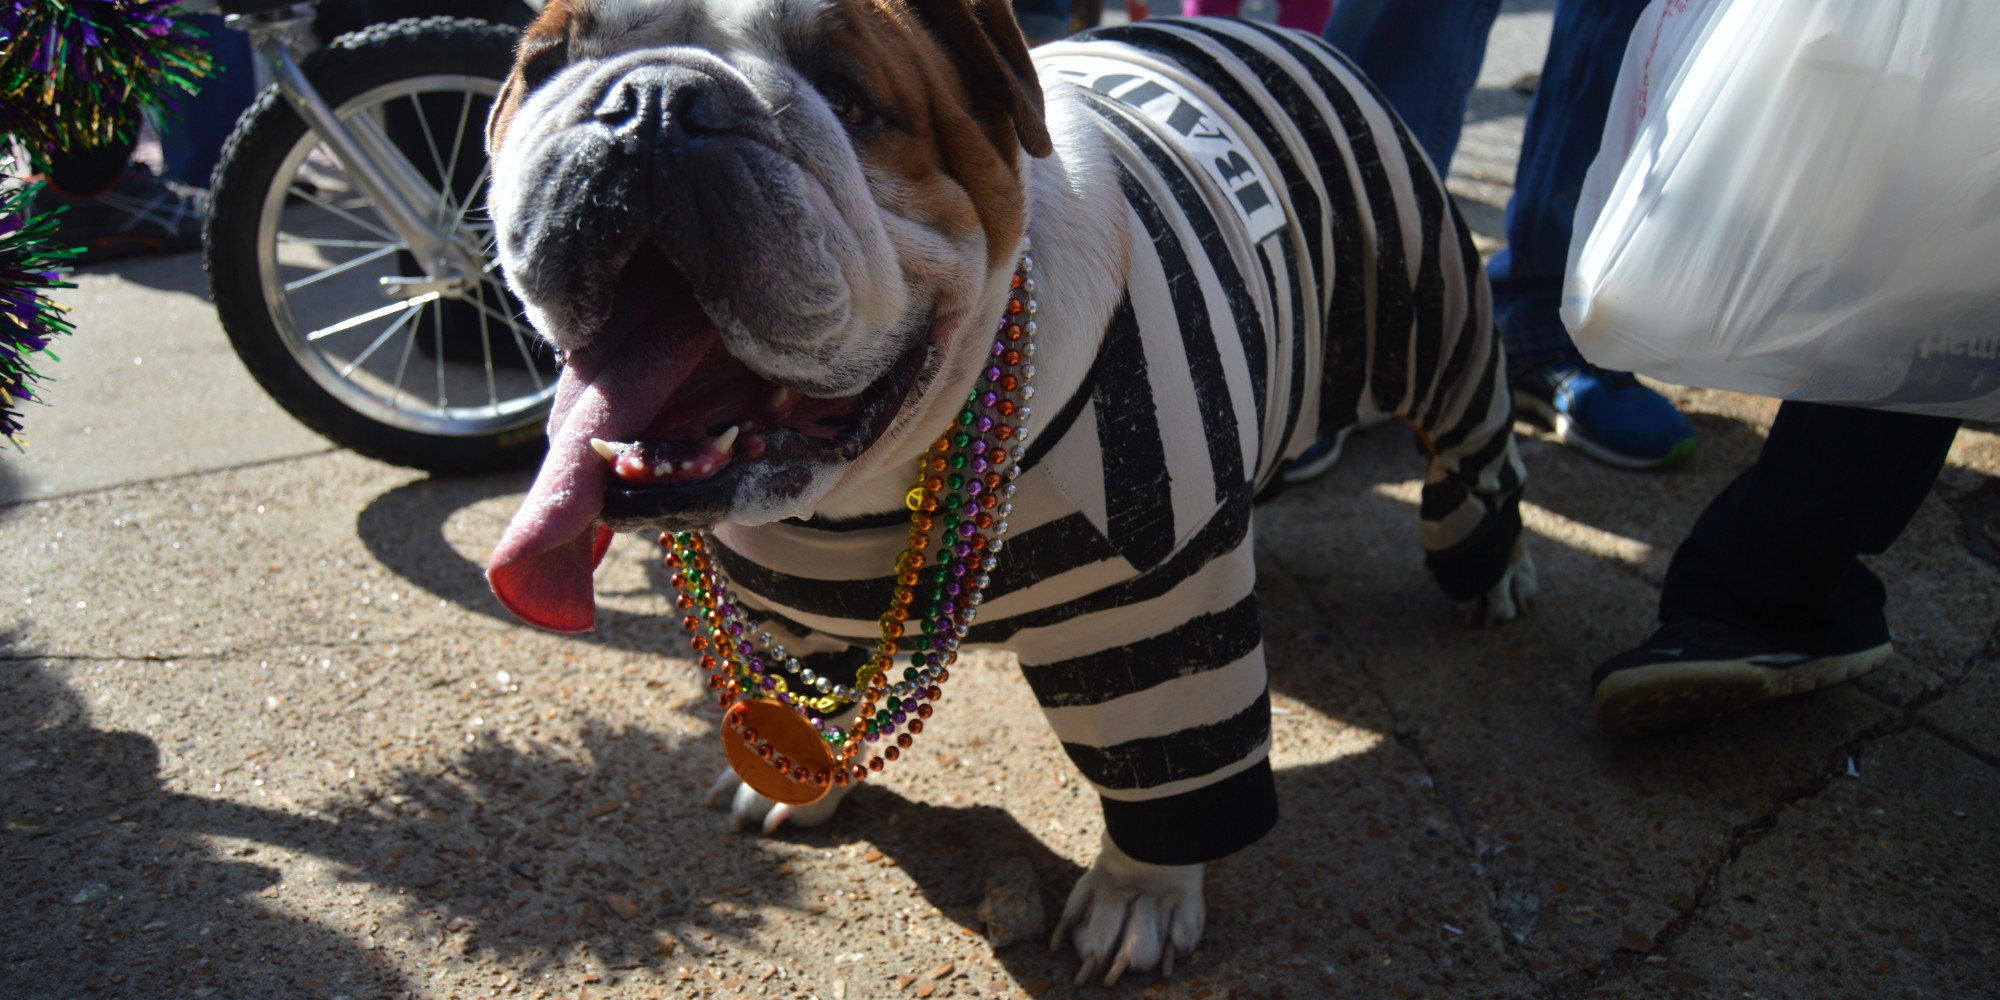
541, 570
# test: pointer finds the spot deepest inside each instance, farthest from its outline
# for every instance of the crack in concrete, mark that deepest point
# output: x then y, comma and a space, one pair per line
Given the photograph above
24, 501
1622, 965
11, 657
1900, 719
1959, 743
1514, 955
14, 656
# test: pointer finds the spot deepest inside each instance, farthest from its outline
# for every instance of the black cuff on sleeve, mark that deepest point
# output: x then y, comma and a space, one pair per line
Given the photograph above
1473, 566
1197, 826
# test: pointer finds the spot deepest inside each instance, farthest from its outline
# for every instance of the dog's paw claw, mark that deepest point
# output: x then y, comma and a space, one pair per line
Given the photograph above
1118, 967
1089, 966
1131, 916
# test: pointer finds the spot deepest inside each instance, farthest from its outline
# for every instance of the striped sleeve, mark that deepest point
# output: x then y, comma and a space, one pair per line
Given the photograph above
1158, 693
1156, 686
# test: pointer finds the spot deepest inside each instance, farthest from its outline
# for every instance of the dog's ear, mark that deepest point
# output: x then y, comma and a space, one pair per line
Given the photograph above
505, 104
994, 58
542, 50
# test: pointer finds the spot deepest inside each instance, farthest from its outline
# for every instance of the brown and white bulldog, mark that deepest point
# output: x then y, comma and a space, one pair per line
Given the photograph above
817, 265
770, 239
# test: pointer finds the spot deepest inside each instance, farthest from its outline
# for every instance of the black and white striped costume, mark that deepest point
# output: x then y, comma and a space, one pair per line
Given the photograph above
1295, 266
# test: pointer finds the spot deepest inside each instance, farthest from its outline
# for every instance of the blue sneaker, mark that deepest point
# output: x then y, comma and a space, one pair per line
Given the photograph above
1607, 415
1318, 458
1324, 454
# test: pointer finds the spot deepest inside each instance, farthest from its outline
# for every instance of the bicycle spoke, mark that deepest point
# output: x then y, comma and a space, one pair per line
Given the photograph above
368, 317
368, 124
478, 185
488, 310
486, 347
337, 269
402, 365
411, 309
317, 199
515, 328
492, 257
437, 325
290, 239
424, 126
521, 338
458, 146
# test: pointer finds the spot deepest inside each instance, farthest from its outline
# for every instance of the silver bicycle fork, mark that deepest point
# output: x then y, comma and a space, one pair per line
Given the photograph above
373, 162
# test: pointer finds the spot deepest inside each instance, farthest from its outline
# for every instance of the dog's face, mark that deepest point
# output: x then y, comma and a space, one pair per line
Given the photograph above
758, 231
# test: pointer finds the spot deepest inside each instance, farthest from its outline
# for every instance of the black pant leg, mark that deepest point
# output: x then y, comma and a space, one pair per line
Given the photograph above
1775, 553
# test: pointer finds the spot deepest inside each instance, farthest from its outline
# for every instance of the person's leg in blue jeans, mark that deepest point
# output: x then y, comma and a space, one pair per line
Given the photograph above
1425, 59
191, 142
1607, 415
1042, 20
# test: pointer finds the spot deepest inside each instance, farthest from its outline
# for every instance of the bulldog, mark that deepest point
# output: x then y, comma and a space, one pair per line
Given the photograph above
773, 241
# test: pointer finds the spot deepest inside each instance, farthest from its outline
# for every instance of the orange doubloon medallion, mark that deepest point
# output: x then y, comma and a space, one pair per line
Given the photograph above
777, 733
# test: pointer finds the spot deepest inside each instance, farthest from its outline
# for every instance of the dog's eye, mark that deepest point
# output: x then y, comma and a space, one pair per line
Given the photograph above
845, 104
543, 63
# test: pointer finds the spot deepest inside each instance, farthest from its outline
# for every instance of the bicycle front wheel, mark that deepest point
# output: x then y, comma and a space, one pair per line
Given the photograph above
449, 379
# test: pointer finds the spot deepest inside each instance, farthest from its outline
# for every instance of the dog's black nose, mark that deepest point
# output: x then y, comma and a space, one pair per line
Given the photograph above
666, 105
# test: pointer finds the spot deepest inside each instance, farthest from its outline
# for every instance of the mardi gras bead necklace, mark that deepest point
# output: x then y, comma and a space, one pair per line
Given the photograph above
958, 511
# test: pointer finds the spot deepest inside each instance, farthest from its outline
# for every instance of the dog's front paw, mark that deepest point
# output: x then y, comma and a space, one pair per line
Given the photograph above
1132, 915
1508, 598
749, 810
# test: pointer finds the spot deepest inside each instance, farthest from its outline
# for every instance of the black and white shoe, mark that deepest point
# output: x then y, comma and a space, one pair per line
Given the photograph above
1692, 671
140, 213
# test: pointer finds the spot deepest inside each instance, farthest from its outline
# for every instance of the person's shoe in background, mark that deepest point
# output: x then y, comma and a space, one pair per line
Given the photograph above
1324, 454
1692, 671
139, 213
1607, 415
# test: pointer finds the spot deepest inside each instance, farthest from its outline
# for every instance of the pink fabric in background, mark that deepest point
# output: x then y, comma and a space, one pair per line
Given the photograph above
1305, 15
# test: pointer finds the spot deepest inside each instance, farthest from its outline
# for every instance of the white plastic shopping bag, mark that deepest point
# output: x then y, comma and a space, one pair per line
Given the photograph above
1801, 198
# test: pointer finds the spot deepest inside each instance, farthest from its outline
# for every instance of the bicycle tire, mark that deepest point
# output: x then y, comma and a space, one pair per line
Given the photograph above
244, 240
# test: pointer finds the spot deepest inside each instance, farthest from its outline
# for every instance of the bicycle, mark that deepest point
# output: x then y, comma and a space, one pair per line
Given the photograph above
347, 247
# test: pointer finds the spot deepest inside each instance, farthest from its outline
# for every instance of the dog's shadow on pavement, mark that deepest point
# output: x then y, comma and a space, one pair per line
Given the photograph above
544, 856
105, 871
528, 852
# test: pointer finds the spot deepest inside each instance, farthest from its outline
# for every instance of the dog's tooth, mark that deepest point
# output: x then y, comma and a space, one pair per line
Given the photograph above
781, 399
663, 469
604, 449
726, 440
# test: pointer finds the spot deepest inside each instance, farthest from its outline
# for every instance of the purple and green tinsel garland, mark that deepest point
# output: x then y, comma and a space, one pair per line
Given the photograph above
28, 321
76, 74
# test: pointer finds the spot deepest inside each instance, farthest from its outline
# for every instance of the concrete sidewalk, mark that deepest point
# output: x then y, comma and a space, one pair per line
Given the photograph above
270, 737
